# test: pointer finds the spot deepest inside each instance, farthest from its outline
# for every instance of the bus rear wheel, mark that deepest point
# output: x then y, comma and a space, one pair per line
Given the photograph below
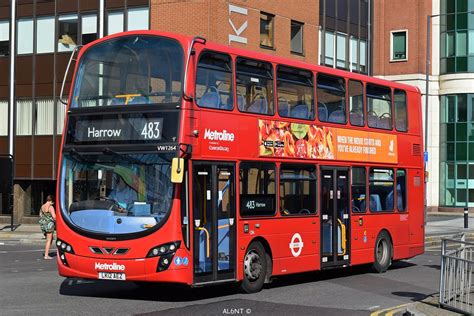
255, 268
382, 252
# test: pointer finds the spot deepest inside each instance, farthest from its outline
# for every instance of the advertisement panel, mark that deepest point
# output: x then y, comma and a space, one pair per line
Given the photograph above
284, 139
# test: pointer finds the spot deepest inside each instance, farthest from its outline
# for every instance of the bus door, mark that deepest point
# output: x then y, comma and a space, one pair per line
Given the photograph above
214, 222
335, 221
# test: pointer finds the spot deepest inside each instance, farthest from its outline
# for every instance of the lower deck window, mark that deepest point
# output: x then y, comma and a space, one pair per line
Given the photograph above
297, 190
257, 189
381, 190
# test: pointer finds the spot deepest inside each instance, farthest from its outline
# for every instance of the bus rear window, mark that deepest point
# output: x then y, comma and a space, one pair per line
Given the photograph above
130, 70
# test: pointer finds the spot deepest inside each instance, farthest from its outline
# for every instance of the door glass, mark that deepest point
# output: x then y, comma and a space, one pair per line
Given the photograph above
225, 217
327, 208
342, 215
202, 211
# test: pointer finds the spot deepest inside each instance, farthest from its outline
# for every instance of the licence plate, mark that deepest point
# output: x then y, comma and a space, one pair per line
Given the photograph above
112, 276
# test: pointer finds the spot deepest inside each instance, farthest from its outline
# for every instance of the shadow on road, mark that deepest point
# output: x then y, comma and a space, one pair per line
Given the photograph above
414, 296
179, 293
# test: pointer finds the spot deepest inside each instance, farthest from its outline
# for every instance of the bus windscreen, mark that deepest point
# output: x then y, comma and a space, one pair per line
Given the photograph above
116, 193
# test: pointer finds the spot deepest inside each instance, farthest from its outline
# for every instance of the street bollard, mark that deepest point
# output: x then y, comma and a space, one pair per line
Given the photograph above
466, 218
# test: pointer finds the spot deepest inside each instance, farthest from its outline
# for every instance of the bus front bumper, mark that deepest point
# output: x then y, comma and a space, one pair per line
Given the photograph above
144, 269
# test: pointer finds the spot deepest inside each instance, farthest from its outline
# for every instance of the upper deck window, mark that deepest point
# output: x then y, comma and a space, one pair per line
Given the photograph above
331, 99
254, 86
130, 70
379, 107
401, 116
214, 81
295, 93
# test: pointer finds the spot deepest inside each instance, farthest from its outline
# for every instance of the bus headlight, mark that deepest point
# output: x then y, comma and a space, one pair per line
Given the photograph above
63, 248
166, 253
165, 249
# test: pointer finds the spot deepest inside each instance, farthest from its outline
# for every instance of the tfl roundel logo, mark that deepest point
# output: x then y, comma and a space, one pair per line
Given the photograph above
296, 245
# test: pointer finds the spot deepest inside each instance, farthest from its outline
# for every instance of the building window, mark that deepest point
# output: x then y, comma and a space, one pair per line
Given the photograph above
266, 30
399, 42
341, 50
45, 35
60, 116
115, 22
296, 37
25, 36
137, 19
3, 118
457, 150
88, 28
24, 117
4, 38
44, 115
329, 48
67, 32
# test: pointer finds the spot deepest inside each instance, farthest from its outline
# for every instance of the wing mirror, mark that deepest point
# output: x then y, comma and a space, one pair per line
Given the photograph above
177, 170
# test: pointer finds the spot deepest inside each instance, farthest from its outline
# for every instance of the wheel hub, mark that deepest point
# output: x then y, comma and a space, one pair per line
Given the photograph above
252, 265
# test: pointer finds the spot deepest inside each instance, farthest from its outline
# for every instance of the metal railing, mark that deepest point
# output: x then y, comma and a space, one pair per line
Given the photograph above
456, 281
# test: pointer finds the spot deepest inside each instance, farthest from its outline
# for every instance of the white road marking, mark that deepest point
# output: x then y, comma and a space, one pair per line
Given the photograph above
11, 251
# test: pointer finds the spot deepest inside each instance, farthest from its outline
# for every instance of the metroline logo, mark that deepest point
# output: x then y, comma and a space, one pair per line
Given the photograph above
107, 266
216, 135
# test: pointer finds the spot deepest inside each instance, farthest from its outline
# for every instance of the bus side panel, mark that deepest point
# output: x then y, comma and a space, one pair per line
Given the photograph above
294, 243
417, 214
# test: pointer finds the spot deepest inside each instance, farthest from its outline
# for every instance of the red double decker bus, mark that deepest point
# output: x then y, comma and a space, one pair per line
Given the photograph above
190, 162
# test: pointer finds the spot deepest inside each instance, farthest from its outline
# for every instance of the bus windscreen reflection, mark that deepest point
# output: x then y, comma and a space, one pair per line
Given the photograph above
116, 194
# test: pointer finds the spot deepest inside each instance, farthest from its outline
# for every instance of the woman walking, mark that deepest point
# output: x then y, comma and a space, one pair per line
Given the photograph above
48, 223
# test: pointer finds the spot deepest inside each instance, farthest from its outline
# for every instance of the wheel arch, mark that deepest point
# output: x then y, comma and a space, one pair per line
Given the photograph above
268, 251
387, 231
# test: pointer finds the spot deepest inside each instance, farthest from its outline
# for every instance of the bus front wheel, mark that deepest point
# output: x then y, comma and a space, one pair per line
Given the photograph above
255, 268
382, 252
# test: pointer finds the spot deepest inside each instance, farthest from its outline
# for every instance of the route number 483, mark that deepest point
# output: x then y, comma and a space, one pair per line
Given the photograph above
251, 205
151, 130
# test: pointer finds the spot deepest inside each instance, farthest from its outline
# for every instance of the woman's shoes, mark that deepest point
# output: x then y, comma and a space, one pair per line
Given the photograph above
47, 258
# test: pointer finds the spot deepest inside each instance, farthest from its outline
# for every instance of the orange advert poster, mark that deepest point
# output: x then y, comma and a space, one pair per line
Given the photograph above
284, 139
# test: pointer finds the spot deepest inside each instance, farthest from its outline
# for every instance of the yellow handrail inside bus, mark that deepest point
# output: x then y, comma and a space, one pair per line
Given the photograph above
127, 97
343, 236
207, 239
207, 236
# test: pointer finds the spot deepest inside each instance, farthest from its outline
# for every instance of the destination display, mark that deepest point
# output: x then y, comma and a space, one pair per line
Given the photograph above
256, 203
122, 128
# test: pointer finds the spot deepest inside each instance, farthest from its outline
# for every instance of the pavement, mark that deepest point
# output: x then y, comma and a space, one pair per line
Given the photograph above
438, 225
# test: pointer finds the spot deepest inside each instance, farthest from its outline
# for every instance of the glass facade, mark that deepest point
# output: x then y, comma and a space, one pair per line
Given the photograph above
345, 34
457, 36
457, 150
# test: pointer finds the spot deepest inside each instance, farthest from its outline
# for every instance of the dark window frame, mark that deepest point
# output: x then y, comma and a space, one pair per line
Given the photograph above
301, 29
232, 90
314, 185
405, 198
332, 77
383, 202
256, 165
270, 77
271, 33
293, 79
364, 211
396, 111
364, 114
374, 97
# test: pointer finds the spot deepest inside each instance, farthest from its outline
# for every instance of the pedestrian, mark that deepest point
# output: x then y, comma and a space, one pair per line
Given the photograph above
47, 223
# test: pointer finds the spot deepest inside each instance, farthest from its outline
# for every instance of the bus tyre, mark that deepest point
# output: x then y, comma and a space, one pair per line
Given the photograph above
382, 252
255, 268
